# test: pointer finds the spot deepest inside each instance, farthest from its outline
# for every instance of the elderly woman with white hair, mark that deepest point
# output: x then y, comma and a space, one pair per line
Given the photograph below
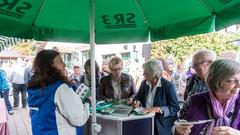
221, 102
158, 95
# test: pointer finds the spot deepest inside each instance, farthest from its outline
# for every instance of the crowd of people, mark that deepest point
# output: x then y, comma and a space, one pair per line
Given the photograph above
211, 90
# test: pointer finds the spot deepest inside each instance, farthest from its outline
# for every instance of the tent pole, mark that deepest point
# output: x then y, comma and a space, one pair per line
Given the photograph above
95, 128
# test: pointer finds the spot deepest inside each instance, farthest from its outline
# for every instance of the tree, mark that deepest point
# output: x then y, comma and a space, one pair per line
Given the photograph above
182, 48
28, 48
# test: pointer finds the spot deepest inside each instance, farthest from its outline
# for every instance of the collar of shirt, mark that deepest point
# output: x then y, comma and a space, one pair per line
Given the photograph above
159, 83
113, 79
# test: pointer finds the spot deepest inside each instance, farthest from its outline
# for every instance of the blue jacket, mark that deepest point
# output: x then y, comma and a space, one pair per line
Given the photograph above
166, 99
4, 85
45, 111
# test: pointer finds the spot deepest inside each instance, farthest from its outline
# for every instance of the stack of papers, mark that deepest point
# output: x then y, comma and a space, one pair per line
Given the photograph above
117, 110
122, 110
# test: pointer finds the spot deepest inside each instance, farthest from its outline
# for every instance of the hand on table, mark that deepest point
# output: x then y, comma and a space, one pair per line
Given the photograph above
152, 110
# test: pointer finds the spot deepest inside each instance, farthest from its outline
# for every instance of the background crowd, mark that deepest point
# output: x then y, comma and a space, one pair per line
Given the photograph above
209, 86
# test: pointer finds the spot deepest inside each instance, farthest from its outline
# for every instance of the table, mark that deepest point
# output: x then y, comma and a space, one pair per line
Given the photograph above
131, 125
4, 129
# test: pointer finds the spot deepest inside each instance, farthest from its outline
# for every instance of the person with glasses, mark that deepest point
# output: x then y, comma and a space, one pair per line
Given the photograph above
220, 104
200, 61
117, 85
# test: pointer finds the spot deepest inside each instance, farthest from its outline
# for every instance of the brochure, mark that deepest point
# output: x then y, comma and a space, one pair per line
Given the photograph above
139, 111
101, 105
107, 111
83, 91
122, 110
184, 122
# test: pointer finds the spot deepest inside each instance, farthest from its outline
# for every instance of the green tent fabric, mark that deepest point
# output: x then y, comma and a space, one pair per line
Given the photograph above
115, 20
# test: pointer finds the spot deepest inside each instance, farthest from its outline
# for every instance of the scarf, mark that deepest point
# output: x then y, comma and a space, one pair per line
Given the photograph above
220, 112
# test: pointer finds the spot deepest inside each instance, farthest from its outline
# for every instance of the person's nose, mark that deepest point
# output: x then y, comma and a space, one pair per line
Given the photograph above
238, 84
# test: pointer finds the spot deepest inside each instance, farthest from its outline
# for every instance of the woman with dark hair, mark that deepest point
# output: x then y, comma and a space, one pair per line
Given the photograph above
54, 107
86, 77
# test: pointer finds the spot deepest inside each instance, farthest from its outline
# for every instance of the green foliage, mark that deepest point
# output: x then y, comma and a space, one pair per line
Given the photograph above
26, 48
182, 48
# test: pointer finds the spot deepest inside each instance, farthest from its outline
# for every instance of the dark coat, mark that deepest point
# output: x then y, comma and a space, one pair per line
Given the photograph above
98, 77
166, 99
127, 87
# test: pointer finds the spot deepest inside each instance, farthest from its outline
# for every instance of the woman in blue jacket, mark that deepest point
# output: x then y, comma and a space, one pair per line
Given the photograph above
158, 96
4, 90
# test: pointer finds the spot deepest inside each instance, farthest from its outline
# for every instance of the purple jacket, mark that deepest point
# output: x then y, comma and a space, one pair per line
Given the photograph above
198, 111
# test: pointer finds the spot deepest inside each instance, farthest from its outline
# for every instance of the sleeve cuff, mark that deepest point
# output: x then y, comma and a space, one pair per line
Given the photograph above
165, 111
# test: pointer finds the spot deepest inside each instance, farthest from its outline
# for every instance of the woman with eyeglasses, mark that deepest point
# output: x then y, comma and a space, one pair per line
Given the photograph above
117, 85
221, 103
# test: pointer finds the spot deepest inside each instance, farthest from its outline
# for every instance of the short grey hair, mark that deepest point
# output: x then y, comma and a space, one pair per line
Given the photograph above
205, 53
220, 71
114, 61
154, 66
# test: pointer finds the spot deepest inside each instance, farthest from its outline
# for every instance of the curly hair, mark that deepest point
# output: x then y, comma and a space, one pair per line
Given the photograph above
44, 71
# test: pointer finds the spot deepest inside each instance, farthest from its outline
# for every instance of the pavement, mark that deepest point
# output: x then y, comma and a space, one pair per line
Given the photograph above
19, 123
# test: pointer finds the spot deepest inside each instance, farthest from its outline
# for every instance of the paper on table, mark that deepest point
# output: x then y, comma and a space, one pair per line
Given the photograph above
184, 122
140, 111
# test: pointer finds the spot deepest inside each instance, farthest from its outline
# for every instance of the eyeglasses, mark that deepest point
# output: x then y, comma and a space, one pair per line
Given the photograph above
201, 63
233, 81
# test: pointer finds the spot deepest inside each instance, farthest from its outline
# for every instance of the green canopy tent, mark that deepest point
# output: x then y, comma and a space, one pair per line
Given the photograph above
113, 21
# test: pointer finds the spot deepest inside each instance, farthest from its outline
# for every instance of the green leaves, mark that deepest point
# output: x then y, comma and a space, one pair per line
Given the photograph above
182, 48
